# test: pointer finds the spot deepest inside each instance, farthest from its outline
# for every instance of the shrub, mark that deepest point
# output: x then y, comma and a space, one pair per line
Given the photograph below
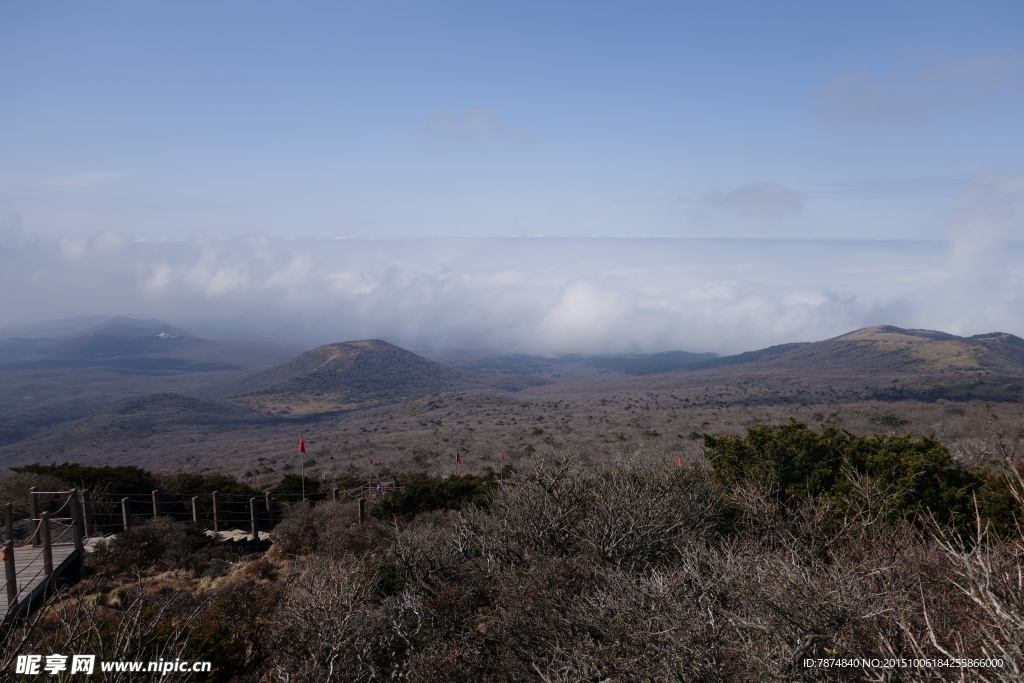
14, 489
292, 485
328, 528
159, 543
1001, 500
198, 484
124, 480
422, 494
918, 474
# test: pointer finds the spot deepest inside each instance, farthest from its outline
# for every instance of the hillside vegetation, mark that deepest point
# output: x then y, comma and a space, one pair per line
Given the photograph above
735, 569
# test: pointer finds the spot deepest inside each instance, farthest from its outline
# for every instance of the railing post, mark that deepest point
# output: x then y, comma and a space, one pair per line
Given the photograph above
362, 510
9, 521
33, 513
44, 533
78, 531
77, 528
270, 509
216, 513
335, 492
253, 520
90, 529
126, 514
12, 575
156, 505
195, 509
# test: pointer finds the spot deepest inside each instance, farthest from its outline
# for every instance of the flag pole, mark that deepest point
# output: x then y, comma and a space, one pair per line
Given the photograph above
302, 466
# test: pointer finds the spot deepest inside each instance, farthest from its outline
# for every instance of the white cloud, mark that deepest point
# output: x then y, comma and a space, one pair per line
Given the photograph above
545, 295
985, 280
475, 123
11, 232
87, 179
984, 72
912, 93
764, 201
855, 98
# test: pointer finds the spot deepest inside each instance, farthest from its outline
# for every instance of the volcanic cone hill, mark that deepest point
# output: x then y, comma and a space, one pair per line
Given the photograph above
357, 374
885, 348
893, 363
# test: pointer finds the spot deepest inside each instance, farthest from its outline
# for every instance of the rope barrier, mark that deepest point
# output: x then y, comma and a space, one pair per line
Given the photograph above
61, 508
26, 565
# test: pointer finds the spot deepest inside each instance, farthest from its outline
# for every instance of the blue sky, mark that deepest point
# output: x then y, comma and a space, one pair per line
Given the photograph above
318, 120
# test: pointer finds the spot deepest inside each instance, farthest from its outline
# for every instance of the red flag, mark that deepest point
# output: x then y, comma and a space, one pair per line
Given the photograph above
302, 445
458, 459
679, 460
371, 461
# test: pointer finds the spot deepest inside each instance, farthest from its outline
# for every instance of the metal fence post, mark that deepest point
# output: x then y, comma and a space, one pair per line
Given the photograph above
195, 509
216, 513
270, 509
335, 492
156, 505
126, 514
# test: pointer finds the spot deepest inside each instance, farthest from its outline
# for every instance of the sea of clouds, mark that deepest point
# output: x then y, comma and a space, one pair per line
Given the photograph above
534, 295
538, 294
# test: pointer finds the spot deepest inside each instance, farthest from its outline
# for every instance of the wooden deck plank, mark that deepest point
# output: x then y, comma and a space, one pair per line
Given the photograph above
28, 562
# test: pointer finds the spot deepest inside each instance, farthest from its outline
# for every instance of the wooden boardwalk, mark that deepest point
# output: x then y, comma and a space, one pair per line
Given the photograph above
76, 523
28, 562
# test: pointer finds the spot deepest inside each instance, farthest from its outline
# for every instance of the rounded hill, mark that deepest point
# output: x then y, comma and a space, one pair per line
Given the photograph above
356, 374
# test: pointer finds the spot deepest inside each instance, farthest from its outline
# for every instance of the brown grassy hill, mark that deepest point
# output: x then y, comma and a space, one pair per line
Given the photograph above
889, 363
878, 363
357, 374
887, 349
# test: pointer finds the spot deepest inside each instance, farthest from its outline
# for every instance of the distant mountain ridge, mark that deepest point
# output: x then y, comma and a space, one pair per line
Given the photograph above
132, 327
124, 345
52, 329
118, 344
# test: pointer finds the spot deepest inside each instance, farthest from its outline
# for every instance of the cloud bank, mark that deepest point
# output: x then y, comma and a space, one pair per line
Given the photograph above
764, 201
539, 295
530, 295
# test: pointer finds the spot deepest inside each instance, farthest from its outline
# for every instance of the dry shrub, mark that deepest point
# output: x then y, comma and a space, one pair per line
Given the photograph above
159, 543
328, 626
137, 624
329, 527
425, 553
14, 489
